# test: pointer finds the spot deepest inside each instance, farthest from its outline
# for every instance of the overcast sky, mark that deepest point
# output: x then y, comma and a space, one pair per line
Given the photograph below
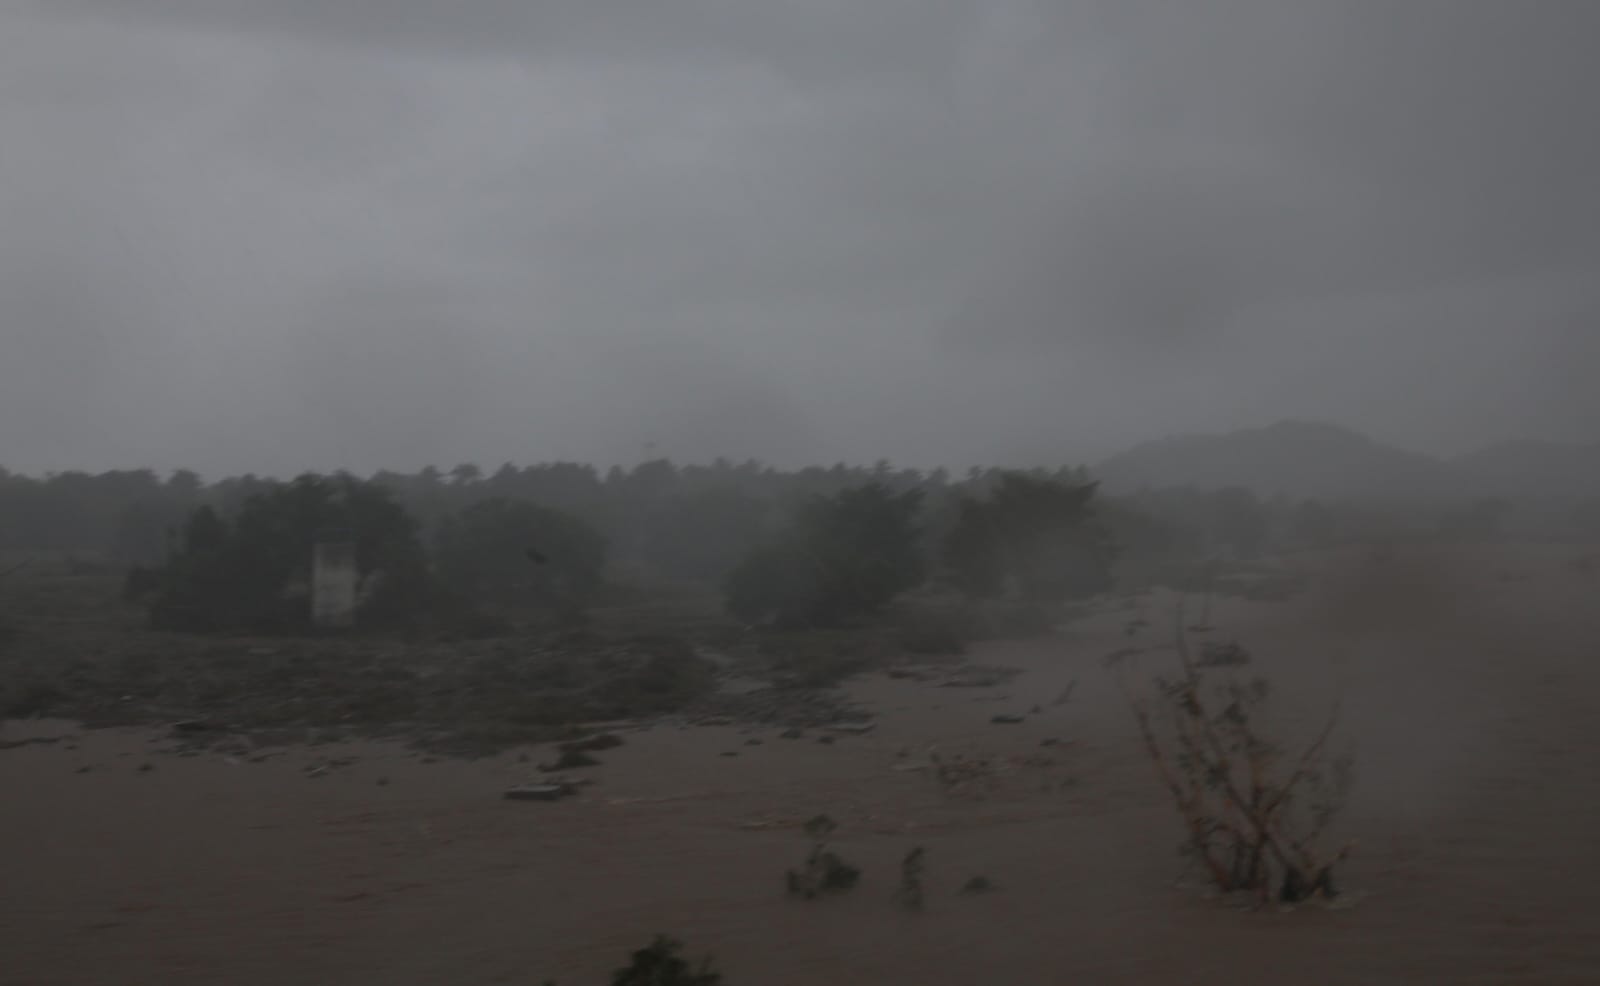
271, 235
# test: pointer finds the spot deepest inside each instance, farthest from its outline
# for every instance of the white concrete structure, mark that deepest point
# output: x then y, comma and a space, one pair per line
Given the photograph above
334, 580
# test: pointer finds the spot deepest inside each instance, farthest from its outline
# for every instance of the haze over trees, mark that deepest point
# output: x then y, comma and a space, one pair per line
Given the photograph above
512, 552
845, 557
250, 572
813, 546
1035, 536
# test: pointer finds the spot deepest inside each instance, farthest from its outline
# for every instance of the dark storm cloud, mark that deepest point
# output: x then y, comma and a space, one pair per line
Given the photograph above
381, 232
1261, 152
817, 40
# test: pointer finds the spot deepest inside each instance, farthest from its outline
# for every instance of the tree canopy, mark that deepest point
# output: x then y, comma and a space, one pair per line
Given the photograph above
846, 556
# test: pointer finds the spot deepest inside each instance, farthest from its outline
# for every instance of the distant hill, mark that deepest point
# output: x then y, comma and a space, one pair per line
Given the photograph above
1314, 459
1522, 468
1297, 458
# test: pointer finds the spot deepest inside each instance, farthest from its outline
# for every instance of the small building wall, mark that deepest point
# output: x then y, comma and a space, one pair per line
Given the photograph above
334, 580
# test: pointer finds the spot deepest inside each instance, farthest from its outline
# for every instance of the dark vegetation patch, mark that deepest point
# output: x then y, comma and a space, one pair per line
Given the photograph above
461, 699
793, 709
662, 964
517, 608
824, 871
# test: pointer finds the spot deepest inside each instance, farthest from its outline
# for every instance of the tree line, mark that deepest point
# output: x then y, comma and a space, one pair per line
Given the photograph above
690, 521
806, 546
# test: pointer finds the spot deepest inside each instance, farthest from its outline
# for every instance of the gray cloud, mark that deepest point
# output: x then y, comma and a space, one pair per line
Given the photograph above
352, 232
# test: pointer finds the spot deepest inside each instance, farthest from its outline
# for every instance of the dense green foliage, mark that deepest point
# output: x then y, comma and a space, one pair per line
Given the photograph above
1035, 536
702, 533
515, 553
845, 557
662, 964
252, 574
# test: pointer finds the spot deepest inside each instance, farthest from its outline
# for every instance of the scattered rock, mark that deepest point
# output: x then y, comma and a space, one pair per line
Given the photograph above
730, 753
825, 740
792, 734
978, 885
146, 768
538, 792
322, 768
819, 826
1006, 720
275, 737
31, 741
978, 676
753, 741
908, 674
85, 768
383, 782
188, 727
570, 760
824, 872
853, 728
593, 744
802, 708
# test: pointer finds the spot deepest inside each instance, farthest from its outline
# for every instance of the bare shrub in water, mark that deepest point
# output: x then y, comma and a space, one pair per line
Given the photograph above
1255, 817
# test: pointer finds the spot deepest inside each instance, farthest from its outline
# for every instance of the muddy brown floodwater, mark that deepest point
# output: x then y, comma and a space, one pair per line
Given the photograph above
1470, 678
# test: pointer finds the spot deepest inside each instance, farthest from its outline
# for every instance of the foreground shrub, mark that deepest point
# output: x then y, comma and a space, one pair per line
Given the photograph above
660, 964
909, 894
824, 871
1254, 819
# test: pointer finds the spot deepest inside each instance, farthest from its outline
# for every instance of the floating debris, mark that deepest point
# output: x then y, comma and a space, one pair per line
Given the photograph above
1214, 654
978, 676
593, 744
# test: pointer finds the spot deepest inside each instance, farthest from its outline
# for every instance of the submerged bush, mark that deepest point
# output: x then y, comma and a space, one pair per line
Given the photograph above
1254, 819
